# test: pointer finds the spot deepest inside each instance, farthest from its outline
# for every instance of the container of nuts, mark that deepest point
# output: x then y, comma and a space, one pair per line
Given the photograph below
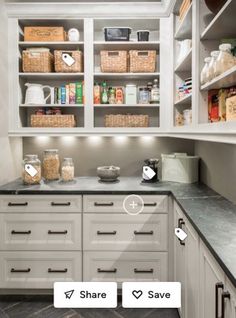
51, 165
31, 170
67, 170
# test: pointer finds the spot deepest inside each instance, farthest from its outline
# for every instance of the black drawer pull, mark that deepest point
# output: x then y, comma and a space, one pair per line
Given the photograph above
106, 233
20, 232
50, 270
60, 204
57, 232
180, 223
225, 295
18, 204
143, 233
13, 270
217, 287
99, 270
143, 271
150, 204
103, 204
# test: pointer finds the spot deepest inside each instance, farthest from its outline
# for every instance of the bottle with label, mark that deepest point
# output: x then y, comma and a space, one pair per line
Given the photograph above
97, 94
155, 93
104, 93
112, 95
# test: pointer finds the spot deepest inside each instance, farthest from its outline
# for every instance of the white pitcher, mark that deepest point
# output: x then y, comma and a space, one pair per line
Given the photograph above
35, 94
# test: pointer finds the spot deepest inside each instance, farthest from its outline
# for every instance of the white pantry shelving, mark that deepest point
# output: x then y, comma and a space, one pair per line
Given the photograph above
227, 79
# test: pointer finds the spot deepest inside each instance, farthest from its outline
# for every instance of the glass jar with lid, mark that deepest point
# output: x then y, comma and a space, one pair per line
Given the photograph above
51, 165
143, 95
204, 72
225, 60
212, 65
31, 170
67, 170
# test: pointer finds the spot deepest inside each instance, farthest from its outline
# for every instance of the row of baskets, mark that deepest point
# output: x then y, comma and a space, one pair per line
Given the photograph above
133, 61
69, 121
43, 61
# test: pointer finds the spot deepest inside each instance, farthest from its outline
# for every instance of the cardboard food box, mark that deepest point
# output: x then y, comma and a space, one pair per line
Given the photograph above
44, 34
231, 108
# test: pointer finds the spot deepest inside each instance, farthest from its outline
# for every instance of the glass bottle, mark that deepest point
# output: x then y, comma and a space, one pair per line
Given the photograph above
104, 93
204, 72
211, 67
112, 95
225, 60
155, 93
67, 170
97, 94
51, 165
31, 170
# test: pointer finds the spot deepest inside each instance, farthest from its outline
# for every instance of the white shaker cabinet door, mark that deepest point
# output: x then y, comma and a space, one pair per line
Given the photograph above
230, 300
211, 285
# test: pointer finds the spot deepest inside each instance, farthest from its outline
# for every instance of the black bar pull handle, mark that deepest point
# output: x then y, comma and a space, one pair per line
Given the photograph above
60, 204
143, 233
114, 270
18, 204
143, 271
20, 232
106, 233
57, 232
103, 204
225, 295
180, 224
218, 286
50, 270
27, 270
150, 204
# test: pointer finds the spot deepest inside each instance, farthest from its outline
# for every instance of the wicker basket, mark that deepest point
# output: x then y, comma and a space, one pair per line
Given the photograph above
114, 61
142, 61
126, 120
63, 67
37, 62
53, 121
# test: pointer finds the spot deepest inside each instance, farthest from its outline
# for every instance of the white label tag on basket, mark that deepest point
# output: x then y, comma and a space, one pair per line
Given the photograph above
148, 173
31, 170
68, 59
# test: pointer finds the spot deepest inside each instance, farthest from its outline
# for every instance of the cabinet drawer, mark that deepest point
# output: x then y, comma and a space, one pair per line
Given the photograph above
41, 203
114, 203
38, 269
125, 266
146, 232
32, 231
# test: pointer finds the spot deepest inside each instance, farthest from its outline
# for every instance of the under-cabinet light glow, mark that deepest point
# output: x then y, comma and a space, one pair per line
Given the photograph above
43, 140
95, 140
68, 140
147, 140
121, 140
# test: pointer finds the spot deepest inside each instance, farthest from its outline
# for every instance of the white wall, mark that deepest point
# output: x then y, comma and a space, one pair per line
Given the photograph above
10, 149
218, 167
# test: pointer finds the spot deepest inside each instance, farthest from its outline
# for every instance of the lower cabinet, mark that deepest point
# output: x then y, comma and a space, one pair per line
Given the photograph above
230, 300
39, 269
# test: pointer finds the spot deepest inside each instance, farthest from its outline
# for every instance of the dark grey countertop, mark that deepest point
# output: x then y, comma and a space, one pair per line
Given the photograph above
213, 216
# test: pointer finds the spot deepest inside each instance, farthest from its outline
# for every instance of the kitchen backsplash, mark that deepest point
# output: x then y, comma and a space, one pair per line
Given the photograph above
90, 152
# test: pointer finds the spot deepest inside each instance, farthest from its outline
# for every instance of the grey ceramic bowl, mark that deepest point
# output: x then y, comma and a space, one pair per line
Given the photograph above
108, 173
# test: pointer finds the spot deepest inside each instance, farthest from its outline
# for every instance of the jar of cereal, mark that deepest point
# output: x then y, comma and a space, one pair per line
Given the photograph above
31, 170
51, 165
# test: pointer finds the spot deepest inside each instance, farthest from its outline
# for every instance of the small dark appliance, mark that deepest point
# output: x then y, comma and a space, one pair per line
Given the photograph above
143, 35
150, 170
117, 33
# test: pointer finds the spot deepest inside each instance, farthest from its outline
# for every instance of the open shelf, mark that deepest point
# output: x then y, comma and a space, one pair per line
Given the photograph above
185, 64
132, 45
51, 75
224, 80
126, 75
184, 101
222, 26
51, 105
184, 29
126, 105
51, 45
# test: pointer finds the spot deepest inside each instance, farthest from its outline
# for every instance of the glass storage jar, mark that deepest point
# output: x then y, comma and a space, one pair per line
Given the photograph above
31, 170
143, 95
67, 170
212, 65
225, 60
204, 72
51, 165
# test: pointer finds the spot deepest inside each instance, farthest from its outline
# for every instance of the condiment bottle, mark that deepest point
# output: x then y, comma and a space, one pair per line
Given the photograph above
104, 93
155, 92
97, 94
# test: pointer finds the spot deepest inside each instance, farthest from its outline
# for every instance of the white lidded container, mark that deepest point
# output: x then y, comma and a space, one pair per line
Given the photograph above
179, 167
131, 94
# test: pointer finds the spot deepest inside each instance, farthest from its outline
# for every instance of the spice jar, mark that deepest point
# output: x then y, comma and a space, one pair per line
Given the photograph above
212, 65
51, 165
67, 170
225, 60
143, 95
204, 73
31, 170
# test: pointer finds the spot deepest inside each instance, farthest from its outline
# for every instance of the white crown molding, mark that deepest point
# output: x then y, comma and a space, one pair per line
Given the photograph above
92, 9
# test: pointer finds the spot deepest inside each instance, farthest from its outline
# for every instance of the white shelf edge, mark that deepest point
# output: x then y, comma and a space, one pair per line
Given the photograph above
183, 61
223, 76
126, 74
51, 105
125, 105
180, 26
21, 74
183, 100
26, 43
126, 42
225, 6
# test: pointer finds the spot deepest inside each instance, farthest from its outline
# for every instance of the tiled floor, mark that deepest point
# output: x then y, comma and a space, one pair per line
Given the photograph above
42, 307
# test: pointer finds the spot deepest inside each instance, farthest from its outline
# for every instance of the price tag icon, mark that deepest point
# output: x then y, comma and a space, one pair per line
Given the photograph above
31, 170
68, 59
180, 234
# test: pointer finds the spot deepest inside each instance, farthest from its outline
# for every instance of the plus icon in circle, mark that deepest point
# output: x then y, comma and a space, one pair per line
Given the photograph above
133, 205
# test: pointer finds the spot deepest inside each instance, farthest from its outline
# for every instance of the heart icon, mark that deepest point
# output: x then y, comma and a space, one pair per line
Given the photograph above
137, 293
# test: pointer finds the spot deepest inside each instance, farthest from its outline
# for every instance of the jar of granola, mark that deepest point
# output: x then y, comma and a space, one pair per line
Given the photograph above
51, 165
31, 170
67, 170
225, 60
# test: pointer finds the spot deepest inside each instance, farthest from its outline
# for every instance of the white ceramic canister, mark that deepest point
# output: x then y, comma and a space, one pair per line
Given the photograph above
73, 35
